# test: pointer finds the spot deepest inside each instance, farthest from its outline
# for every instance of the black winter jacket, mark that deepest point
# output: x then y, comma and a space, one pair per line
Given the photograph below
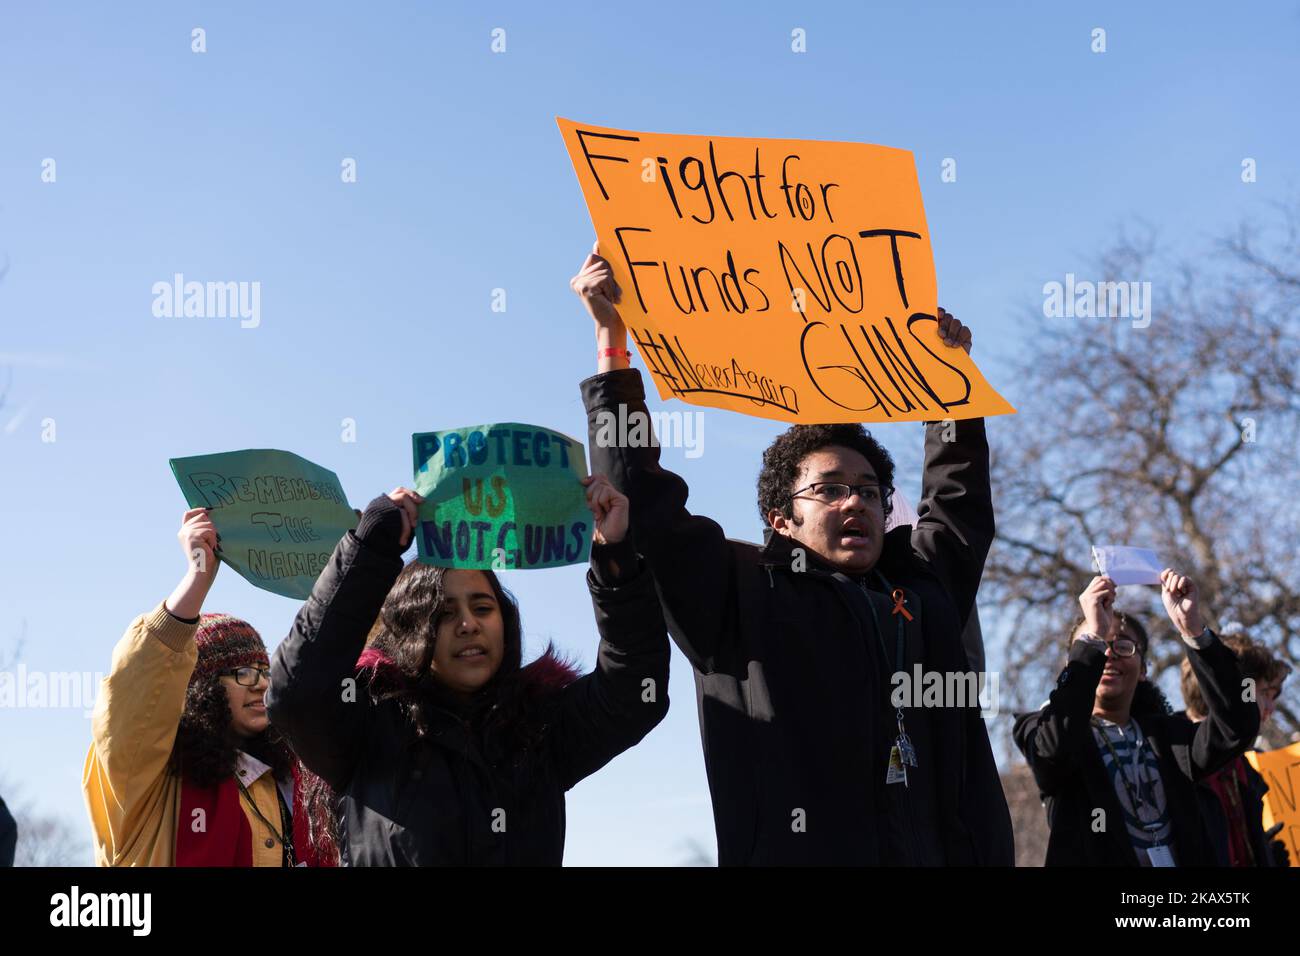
1217, 825
453, 799
792, 667
1058, 743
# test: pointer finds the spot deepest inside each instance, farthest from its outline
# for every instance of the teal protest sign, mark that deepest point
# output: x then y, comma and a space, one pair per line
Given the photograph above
279, 515
504, 496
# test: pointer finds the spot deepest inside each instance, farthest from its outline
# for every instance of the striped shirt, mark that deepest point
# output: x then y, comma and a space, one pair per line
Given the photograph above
1136, 775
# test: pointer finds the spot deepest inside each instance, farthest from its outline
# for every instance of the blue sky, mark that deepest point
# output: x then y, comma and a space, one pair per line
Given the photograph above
376, 295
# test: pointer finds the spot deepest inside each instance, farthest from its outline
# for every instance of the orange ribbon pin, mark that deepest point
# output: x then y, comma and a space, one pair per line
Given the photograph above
898, 597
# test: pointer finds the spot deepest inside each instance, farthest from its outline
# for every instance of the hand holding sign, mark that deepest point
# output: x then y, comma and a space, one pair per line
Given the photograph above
595, 286
408, 503
953, 332
199, 540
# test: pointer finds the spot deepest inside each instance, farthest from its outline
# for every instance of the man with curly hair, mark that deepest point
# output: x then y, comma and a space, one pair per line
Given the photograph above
809, 651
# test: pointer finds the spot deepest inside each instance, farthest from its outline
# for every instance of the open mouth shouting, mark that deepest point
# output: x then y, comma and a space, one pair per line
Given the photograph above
854, 533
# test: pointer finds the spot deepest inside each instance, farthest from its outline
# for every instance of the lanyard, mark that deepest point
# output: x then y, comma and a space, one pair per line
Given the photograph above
900, 644
286, 844
1134, 797
903, 754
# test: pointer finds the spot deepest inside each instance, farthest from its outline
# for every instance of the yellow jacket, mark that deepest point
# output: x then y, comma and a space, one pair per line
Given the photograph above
132, 795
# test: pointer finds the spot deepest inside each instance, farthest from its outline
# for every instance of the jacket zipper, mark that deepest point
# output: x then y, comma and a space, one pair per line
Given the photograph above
461, 771
909, 829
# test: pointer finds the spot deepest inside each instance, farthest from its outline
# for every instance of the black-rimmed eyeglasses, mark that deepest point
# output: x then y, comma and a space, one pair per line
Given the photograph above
248, 676
833, 492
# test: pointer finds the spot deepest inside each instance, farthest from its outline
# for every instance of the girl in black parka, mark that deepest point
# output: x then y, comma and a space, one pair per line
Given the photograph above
441, 748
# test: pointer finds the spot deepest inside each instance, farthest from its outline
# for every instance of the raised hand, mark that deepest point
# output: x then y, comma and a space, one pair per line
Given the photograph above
595, 286
409, 504
609, 507
200, 541
1098, 603
1182, 602
953, 332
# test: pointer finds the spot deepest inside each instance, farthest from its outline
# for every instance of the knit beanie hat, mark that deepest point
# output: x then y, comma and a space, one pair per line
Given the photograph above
225, 643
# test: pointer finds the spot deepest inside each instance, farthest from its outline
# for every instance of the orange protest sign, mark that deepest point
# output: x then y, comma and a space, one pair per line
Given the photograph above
788, 279
1281, 771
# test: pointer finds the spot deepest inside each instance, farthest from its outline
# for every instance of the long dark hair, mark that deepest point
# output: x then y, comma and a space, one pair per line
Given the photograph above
508, 714
406, 637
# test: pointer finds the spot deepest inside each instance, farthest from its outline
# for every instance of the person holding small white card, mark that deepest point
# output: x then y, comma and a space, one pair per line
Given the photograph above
1116, 770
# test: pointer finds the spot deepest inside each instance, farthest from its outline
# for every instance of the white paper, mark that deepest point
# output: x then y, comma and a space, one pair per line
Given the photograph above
1125, 565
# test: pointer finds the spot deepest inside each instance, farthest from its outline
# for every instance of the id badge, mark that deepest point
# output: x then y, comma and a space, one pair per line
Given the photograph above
897, 772
1160, 856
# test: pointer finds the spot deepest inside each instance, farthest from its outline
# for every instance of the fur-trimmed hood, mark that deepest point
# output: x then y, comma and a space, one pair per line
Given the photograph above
548, 673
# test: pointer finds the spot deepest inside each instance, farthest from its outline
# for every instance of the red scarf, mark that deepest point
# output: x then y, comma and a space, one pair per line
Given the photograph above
226, 838
1229, 784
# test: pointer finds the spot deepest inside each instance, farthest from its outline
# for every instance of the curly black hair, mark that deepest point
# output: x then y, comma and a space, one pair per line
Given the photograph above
206, 753
784, 458
1149, 699
206, 749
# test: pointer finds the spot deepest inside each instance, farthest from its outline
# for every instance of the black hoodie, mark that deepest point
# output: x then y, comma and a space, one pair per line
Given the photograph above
792, 667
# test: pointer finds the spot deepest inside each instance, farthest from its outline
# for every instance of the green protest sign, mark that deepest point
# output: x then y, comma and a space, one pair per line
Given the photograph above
503, 496
279, 515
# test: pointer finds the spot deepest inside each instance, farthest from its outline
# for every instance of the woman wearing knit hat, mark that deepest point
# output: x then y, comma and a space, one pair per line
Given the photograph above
442, 747
184, 769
